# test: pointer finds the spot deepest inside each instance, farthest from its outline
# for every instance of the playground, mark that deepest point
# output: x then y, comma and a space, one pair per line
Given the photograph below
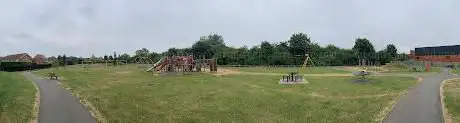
129, 93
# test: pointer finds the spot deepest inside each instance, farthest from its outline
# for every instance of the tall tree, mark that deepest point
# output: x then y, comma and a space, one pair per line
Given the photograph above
172, 52
124, 56
142, 52
298, 44
363, 49
391, 50
64, 60
114, 55
59, 60
266, 50
216, 41
202, 48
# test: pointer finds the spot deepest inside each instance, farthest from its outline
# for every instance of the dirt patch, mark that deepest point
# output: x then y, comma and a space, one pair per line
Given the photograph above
123, 72
222, 72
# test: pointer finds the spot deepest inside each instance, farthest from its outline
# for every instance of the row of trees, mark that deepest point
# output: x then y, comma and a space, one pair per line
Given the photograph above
291, 52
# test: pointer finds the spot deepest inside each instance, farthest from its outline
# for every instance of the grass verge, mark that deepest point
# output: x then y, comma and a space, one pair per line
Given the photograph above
450, 99
17, 98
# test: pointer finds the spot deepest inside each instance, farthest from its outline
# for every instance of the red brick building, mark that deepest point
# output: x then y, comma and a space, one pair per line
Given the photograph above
23, 57
436, 54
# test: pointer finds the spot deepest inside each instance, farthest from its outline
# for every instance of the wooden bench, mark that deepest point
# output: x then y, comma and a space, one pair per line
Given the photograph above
53, 76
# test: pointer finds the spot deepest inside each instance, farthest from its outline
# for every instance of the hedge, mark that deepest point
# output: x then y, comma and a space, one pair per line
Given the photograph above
21, 66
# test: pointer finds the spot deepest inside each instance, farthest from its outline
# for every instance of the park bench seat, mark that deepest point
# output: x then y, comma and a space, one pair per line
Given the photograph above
53, 76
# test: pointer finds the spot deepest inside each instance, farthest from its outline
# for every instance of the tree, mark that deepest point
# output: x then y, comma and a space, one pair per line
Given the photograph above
202, 48
114, 55
363, 49
298, 44
106, 58
172, 52
64, 60
142, 52
216, 41
124, 57
391, 50
266, 50
110, 57
282, 47
114, 62
59, 60
383, 57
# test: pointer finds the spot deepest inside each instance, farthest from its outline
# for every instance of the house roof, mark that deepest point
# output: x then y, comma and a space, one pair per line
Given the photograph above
17, 57
39, 59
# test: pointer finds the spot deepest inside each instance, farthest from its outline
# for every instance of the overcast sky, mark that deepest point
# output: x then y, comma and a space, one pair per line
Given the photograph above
84, 27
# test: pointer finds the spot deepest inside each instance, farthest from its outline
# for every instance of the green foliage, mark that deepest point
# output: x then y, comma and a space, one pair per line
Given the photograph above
124, 57
202, 48
363, 48
298, 44
289, 52
142, 52
267, 50
452, 98
391, 50
15, 66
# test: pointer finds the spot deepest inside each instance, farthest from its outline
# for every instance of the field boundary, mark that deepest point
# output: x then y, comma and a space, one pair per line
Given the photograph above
445, 112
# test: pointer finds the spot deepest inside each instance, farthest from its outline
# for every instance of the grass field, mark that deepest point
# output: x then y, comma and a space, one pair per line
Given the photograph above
127, 94
452, 99
455, 71
308, 70
17, 96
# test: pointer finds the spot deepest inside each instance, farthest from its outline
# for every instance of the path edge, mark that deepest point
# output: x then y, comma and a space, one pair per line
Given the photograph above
36, 108
92, 110
393, 103
445, 112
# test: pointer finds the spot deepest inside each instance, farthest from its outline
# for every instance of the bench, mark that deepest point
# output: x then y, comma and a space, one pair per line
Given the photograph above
53, 76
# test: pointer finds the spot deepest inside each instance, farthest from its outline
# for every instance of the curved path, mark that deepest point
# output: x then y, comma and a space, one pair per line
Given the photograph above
58, 105
422, 104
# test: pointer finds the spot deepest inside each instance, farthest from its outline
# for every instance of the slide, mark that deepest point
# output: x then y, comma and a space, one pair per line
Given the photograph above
158, 65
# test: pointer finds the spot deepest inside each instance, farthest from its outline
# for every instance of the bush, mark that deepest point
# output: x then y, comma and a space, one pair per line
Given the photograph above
15, 66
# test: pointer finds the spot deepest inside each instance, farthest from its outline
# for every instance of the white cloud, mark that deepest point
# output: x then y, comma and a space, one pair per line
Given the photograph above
83, 27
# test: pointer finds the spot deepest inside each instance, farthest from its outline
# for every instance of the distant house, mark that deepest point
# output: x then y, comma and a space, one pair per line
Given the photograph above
39, 59
23, 57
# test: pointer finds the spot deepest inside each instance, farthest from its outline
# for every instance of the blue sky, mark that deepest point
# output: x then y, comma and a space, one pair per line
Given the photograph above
85, 27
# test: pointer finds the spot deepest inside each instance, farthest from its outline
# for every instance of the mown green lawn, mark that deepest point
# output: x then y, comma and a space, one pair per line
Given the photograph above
307, 70
452, 99
127, 94
17, 97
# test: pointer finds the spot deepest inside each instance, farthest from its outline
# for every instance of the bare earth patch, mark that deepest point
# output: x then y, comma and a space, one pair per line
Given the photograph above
222, 72
123, 72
